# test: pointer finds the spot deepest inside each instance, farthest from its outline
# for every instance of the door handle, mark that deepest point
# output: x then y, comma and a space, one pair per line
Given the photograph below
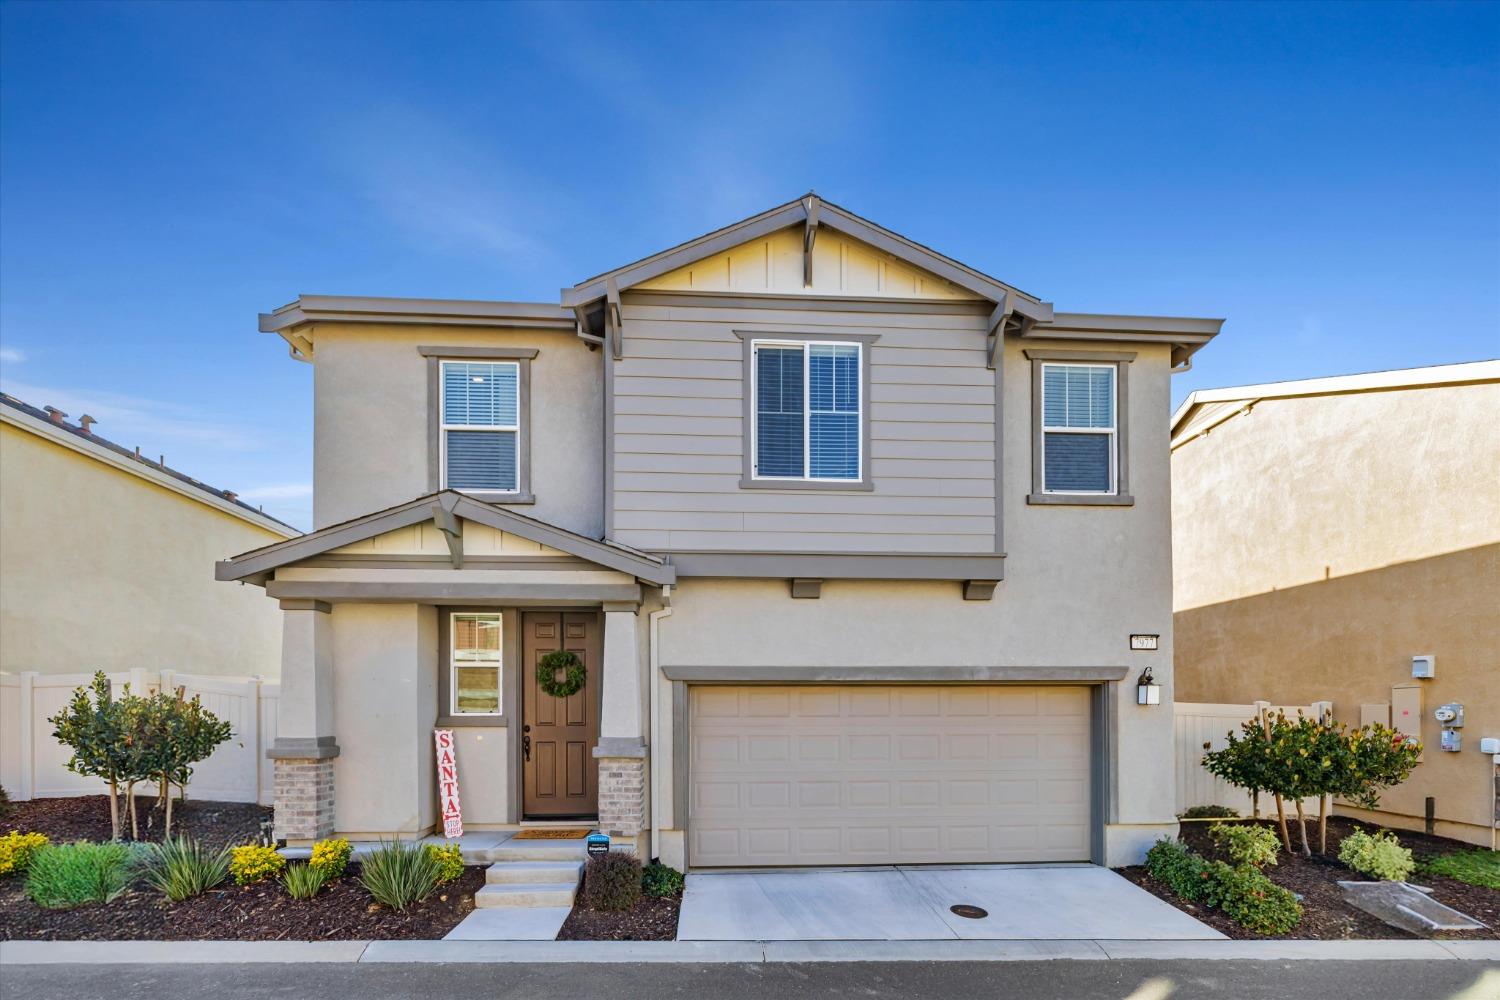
526, 746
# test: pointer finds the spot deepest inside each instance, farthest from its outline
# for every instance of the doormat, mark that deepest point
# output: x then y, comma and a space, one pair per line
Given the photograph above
548, 833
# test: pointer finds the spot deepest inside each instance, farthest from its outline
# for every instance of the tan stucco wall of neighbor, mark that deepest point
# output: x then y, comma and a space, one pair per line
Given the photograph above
103, 570
1322, 542
372, 407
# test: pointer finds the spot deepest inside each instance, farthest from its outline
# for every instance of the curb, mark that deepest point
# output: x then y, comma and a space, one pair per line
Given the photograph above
714, 952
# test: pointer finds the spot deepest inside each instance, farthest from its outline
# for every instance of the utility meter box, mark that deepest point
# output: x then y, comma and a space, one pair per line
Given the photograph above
1423, 667
1451, 740
1450, 716
1489, 744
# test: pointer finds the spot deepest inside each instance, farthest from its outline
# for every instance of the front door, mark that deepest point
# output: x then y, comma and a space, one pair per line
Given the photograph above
558, 775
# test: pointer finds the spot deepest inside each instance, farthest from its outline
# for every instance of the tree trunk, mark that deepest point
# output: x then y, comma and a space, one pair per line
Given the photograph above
1286, 835
167, 830
135, 826
1255, 803
1322, 824
114, 809
1302, 829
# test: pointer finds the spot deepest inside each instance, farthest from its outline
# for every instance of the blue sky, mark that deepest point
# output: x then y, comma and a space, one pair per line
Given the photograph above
1327, 177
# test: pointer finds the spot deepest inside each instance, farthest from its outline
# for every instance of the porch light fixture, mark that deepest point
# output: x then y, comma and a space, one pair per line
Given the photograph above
1147, 691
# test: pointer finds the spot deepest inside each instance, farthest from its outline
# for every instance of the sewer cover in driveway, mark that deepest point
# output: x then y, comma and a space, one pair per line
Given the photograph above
972, 912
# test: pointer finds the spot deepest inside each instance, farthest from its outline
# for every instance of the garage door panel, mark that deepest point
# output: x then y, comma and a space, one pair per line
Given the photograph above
890, 774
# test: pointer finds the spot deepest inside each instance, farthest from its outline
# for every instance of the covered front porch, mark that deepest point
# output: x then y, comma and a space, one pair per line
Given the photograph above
435, 615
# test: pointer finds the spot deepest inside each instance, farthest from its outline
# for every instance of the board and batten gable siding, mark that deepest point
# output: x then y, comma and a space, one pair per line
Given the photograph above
679, 434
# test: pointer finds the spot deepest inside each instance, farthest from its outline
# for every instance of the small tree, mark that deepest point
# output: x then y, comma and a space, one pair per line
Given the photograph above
177, 733
1377, 758
95, 729
1246, 762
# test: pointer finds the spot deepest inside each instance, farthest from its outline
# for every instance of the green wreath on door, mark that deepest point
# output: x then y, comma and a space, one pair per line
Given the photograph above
573, 676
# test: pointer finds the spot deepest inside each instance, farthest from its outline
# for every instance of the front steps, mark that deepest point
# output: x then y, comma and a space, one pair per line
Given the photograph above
530, 883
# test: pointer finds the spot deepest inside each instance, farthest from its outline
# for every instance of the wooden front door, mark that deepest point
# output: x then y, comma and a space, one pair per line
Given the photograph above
558, 774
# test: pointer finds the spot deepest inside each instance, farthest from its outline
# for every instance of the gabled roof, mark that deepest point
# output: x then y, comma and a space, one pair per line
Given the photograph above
1402, 378
443, 507
812, 212
51, 424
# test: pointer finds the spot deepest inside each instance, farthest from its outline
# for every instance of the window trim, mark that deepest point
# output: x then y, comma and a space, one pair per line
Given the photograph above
792, 337
437, 445
1119, 495
510, 654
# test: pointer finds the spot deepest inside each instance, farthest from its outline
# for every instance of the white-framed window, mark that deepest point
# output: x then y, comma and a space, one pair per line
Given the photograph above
480, 432
474, 661
807, 410
1080, 448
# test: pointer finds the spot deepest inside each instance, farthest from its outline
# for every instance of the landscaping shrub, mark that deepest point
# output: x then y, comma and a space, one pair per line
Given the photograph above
449, 859
658, 879
612, 881
331, 856
253, 862
1174, 864
17, 849
1381, 855
1211, 812
303, 881
182, 868
1251, 845
5, 806
69, 875
399, 874
1242, 892
1476, 867
1245, 895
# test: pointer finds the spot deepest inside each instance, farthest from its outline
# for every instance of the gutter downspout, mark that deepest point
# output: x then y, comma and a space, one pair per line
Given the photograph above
654, 628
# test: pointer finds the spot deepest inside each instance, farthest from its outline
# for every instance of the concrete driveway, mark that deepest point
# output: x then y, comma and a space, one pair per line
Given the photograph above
1032, 902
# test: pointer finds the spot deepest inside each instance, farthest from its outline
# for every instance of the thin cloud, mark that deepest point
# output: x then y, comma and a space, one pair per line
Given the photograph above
277, 491
130, 420
11, 356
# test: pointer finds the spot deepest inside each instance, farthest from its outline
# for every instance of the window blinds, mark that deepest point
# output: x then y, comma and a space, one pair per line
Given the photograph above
1078, 420
481, 424
807, 411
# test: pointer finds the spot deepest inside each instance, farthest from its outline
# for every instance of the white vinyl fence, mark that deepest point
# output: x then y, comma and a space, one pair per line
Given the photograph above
1196, 724
33, 764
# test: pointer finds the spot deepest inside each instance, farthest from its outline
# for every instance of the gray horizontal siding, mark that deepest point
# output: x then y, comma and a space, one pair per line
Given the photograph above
678, 437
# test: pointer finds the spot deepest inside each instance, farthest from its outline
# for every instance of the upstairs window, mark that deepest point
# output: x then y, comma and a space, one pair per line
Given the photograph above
481, 425
807, 411
1079, 429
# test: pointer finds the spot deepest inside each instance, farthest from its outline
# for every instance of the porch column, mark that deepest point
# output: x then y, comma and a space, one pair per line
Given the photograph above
621, 752
304, 749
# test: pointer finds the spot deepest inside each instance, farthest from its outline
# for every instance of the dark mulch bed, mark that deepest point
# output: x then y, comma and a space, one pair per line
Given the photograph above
654, 918
216, 824
1325, 915
263, 912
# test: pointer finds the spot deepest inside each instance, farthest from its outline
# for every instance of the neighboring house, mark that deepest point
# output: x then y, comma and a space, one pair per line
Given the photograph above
106, 559
851, 538
1327, 531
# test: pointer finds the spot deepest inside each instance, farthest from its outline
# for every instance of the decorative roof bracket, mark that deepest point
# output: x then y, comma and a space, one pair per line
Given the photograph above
809, 236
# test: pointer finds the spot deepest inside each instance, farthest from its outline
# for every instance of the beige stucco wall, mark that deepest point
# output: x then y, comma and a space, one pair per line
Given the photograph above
372, 412
103, 570
1322, 542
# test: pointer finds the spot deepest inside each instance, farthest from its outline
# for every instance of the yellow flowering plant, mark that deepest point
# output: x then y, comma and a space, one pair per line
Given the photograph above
331, 856
449, 859
254, 862
17, 850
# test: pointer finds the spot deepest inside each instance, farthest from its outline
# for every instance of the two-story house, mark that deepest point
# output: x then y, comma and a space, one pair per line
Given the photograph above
851, 539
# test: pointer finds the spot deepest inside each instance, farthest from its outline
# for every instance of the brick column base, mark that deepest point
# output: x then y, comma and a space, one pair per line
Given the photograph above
304, 798
622, 795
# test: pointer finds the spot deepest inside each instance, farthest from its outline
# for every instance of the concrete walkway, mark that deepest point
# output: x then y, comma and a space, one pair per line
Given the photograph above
1024, 903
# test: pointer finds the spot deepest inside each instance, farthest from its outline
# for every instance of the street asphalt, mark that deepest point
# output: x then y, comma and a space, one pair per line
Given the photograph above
1051, 980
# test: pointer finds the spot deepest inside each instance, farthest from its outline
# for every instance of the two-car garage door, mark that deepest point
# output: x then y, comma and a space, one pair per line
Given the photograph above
874, 774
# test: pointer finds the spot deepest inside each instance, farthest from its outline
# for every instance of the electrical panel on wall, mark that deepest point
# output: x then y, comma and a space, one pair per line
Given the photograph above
1424, 667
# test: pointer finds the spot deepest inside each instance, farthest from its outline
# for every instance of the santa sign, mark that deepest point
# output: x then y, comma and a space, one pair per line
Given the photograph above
447, 775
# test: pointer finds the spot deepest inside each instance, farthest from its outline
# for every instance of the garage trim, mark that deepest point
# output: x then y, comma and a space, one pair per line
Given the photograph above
894, 675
